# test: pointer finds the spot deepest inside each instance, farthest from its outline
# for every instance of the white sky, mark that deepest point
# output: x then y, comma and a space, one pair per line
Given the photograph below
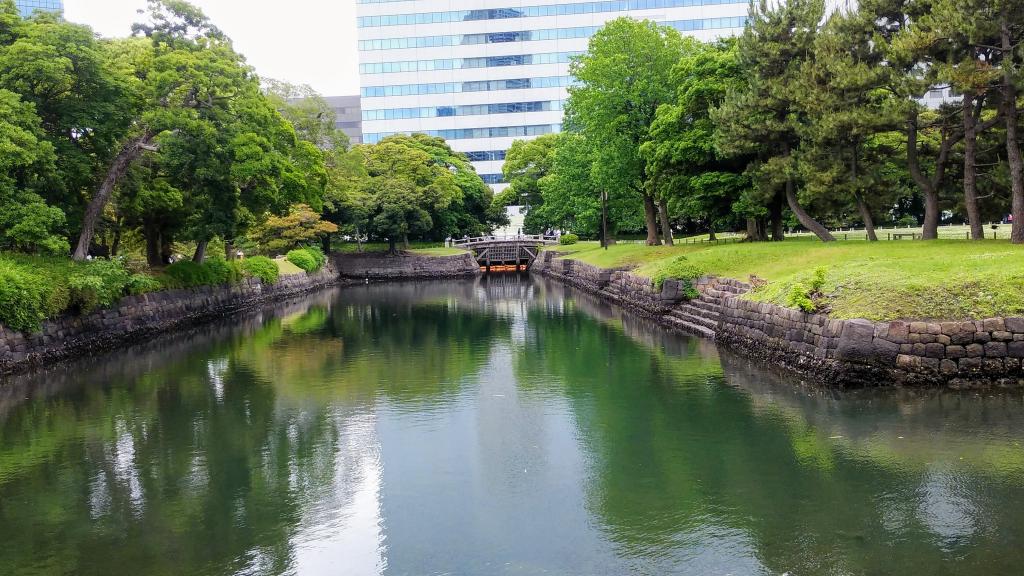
302, 41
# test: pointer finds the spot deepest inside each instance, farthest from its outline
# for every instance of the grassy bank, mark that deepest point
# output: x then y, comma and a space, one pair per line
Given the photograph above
946, 279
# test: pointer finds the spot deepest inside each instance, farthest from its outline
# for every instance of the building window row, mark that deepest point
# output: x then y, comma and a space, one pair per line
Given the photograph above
467, 110
485, 155
492, 178
534, 35
473, 86
530, 11
462, 63
468, 133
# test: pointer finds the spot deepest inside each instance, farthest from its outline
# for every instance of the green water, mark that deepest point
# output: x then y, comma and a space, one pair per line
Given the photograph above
497, 426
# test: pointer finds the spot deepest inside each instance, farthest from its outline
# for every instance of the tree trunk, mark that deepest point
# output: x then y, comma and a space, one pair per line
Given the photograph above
166, 248
325, 243
651, 218
152, 234
865, 215
970, 168
711, 235
115, 246
778, 226
124, 159
229, 250
392, 249
929, 186
802, 215
200, 253
757, 230
1013, 156
405, 241
666, 227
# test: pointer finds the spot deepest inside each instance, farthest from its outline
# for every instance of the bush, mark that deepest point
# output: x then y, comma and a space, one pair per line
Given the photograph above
567, 239
142, 283
23, 298
799, 297
261, 267
679, 268
187, 274
224, 272
318, 254
303, 259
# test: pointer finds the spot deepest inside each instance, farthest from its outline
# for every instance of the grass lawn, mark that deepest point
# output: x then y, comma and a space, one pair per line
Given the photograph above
438, 251
287, 268
943, 279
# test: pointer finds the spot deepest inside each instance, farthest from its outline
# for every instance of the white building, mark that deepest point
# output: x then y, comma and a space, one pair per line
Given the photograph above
482, 73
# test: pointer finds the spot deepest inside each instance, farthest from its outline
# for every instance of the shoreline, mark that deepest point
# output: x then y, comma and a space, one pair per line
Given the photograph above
155, 314
984, 353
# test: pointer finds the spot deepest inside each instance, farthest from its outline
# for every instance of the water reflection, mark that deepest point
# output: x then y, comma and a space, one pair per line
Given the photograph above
496, 426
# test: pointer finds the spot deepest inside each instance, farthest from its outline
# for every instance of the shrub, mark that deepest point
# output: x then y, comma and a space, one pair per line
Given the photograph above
303, 259
799, 297
224, 272
318, 254
23, 298
142, 283
261, 267
97, 283
187, 274
679, 268
567, 239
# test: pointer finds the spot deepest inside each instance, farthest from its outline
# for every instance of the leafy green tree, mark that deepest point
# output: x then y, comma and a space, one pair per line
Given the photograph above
299, 227
404, 184
623, 77
763, 116
682, 161
526, 162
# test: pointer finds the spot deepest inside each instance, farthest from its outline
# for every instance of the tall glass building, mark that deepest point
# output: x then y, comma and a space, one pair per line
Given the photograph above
27, 7
482, 73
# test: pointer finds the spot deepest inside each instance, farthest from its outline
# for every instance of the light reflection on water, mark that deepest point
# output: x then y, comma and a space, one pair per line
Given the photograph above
495, 426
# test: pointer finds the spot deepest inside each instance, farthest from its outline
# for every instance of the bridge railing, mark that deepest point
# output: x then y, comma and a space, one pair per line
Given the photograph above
531, 238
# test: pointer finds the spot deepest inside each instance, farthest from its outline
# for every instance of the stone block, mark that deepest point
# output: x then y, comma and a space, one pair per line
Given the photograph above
962, 338
855, 342
969, 364
898, 331
1002, 336
913, 338
948, 367
1012, 364
993, 365
943, 339
993, 325
975, 350
934, 328
935, 350
955, 351
995, 349
1015, 325
950, 328
982, 337
918, 327
919, 349
885, 351
1015, 349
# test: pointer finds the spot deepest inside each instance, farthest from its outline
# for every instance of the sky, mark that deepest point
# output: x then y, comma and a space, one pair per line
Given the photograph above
301, 41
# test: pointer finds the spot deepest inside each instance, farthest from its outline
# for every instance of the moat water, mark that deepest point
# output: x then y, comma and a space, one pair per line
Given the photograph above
503, 425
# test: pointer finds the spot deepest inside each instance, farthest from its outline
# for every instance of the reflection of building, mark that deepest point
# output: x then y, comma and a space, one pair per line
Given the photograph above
348, 118
27, 7
484, 74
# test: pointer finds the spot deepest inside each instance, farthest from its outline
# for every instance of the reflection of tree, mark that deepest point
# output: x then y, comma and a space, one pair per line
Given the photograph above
689, 469
209, 458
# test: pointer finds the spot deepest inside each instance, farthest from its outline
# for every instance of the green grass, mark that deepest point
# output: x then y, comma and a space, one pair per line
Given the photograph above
286, 267
438, 251
944, 279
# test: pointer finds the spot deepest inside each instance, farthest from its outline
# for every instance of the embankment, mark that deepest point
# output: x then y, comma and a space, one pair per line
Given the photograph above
959, 354
135, 318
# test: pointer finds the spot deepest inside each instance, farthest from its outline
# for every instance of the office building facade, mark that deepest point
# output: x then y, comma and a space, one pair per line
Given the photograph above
483, 73
347, 116
27, 7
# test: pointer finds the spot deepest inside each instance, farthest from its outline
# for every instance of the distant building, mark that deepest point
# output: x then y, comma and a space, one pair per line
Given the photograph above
348, 116
483, 74
27, 7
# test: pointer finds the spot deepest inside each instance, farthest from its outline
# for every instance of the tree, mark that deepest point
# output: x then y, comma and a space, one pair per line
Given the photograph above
299, 227
682, 161
526, 162
623, 77
404, 183
188, 67
763, 116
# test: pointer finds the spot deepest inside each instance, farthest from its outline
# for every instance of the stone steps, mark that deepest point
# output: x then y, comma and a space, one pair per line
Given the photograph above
701, 315
690, 328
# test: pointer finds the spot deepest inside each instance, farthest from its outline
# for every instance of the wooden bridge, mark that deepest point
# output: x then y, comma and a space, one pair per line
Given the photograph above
513, 252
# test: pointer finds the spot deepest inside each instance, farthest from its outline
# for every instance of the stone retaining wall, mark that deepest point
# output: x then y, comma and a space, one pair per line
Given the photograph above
381, 266
964, 354
136, 317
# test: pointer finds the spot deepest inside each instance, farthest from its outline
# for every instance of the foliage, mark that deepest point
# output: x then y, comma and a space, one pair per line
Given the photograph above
261, 267
304, 259
300, 226
142, 283
679, 268
567, 239
23, 297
